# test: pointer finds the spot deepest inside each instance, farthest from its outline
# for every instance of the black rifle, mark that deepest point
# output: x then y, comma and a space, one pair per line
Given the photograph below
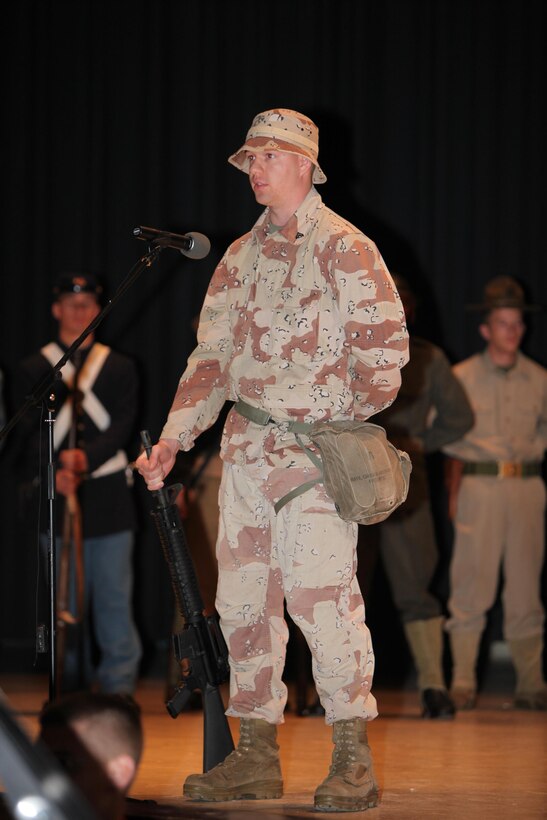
200, 643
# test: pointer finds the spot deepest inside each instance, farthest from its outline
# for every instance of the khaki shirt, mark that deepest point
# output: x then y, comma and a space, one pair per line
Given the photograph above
510, 408
304, 323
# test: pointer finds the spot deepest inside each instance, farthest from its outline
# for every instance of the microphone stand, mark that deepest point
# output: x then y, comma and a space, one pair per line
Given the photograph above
45, 642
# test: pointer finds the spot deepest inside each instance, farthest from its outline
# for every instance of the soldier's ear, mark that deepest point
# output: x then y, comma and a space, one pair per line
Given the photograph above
56, 310
121, 770
305, 166
484, 330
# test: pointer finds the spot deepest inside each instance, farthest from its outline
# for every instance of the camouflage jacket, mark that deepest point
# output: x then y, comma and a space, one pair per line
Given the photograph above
304, 322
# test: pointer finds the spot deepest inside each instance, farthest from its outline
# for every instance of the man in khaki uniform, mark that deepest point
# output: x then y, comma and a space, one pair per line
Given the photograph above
499, 505
301, 323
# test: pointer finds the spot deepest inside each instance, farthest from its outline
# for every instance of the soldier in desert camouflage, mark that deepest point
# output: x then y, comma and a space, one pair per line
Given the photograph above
301, 323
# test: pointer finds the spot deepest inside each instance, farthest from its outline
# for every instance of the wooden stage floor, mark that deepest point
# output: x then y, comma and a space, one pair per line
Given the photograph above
489, 763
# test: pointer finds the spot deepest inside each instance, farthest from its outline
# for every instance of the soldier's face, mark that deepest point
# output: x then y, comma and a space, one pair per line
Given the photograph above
503, 330
74, 311
275, 176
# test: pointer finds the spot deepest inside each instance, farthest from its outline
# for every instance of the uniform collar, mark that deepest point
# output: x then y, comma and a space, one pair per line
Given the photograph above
494, 368
79, 355
299, 225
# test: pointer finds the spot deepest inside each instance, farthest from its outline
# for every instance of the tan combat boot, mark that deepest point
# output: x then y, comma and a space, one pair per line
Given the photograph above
350, 784
465, 650
251, 772
425, 639
531, 692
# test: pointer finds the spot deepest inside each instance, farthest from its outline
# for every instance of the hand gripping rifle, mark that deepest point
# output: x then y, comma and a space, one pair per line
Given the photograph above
200, 643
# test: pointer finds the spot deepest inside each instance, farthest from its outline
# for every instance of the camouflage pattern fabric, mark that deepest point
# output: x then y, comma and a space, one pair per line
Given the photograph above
306, 555
306, 324
281, 129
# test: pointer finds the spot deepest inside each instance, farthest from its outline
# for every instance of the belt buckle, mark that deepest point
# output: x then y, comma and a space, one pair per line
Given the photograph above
508, 469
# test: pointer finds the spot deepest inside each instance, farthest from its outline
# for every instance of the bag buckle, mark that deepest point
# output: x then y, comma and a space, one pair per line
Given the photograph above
254, 414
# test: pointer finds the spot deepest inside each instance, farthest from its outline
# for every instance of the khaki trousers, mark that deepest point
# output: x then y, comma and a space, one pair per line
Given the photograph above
499, 525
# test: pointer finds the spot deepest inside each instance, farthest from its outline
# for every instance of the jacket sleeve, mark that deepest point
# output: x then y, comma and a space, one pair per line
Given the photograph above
374, 324
202, 389
542, 423
453, 415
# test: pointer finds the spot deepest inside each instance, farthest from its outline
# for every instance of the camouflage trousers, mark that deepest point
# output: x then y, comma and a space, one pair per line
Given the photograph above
305, 555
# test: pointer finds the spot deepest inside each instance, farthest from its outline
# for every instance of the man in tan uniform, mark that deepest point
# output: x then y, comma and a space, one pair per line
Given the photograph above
499, 506
301, 322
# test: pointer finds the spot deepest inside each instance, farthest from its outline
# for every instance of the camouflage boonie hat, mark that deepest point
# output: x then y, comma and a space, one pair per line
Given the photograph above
281, 129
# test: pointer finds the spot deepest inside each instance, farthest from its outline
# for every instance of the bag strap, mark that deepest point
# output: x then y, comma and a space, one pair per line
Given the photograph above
262, 417
300, 490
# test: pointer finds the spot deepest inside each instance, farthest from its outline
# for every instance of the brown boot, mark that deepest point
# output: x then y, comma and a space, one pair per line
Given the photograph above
251, 772
465, 650
463, 699
350, 784
425, 639
531, 692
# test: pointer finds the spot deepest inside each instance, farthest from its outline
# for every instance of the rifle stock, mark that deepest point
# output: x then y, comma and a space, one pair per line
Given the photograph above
71, 558
71, 552
200, 643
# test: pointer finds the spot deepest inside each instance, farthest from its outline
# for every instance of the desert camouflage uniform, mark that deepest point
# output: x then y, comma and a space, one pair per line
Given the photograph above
305, 323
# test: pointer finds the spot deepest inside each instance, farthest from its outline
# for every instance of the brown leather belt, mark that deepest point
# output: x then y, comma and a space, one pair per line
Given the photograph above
503, 469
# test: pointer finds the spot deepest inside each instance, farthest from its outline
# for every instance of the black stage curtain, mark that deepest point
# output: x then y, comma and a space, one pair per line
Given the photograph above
122, 113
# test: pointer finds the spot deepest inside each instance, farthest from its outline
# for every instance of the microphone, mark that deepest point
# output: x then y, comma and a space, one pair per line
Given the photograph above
194, 245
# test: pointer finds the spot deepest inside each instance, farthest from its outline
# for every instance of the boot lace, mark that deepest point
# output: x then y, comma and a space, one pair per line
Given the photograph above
242, 748
344, 754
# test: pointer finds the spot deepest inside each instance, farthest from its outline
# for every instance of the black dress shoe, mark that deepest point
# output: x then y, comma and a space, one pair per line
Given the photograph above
437, 705
314, 710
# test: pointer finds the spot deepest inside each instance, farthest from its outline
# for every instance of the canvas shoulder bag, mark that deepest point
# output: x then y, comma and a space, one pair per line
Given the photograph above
364, 474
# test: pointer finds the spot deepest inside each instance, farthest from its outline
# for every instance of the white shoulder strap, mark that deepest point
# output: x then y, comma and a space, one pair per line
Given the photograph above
88, 375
